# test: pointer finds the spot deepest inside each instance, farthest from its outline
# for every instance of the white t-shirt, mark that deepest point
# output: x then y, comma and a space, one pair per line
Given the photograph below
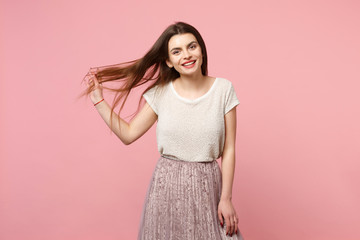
192, 130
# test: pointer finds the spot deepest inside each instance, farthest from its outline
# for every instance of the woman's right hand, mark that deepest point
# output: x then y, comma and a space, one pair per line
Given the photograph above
97, 94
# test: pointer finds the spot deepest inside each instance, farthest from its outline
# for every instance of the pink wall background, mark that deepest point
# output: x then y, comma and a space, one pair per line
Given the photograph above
295, 67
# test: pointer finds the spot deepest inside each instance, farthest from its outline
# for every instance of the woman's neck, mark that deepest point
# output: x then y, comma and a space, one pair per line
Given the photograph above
192, 82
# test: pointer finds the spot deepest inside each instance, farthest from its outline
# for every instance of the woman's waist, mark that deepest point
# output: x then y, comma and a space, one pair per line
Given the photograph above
175, 158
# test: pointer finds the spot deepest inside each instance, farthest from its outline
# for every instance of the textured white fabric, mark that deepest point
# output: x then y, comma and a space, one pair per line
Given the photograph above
192, 130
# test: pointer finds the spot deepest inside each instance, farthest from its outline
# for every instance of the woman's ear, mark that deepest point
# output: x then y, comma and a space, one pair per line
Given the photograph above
169, 63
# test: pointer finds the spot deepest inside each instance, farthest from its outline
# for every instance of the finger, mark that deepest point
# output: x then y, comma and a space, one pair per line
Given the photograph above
228, 224
96, 82
236, 219
93, 70
90, 82
220, 219
232, 226
89, 79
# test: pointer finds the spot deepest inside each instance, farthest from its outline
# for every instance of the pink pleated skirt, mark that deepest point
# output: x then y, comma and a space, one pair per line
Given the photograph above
181, 202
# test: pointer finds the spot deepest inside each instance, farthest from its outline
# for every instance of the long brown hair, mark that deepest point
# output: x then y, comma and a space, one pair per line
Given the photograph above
151, 67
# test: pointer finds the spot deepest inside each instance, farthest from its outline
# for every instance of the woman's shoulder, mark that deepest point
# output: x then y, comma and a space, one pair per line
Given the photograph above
224, 82
156, 90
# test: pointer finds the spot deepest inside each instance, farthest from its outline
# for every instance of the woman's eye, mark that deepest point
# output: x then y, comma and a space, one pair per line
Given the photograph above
175, 52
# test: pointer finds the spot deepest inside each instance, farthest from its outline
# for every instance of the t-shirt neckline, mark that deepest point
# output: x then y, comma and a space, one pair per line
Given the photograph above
196, 99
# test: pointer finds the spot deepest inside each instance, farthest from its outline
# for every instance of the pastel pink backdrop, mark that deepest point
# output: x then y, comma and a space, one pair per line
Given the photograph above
295, 68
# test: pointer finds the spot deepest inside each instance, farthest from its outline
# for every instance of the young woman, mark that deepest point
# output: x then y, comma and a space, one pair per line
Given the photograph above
189, 197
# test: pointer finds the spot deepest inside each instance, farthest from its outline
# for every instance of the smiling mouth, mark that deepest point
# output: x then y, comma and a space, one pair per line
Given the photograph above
189, 63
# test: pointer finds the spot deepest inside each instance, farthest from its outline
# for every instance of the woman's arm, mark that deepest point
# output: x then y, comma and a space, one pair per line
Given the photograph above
226, 208
127, 132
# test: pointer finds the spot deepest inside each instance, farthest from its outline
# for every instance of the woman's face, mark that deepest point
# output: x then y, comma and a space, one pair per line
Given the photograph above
184, 54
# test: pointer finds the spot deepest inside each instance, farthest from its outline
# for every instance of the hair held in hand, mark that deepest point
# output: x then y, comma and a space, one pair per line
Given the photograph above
151, 67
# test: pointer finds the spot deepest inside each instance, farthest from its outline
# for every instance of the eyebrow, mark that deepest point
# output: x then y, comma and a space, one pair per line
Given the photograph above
177, 48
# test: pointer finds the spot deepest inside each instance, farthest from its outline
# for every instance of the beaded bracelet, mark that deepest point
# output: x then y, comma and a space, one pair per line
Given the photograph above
99, 102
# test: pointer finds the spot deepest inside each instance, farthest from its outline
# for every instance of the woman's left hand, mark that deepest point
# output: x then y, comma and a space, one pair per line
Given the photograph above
227, 210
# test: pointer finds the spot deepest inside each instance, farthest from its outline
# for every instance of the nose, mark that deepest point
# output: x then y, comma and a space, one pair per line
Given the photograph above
187, 54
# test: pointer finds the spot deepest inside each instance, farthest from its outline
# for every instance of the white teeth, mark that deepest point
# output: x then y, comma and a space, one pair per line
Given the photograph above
186, 64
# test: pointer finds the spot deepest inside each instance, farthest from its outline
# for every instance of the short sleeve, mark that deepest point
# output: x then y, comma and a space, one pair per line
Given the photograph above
151, 98
231, 99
